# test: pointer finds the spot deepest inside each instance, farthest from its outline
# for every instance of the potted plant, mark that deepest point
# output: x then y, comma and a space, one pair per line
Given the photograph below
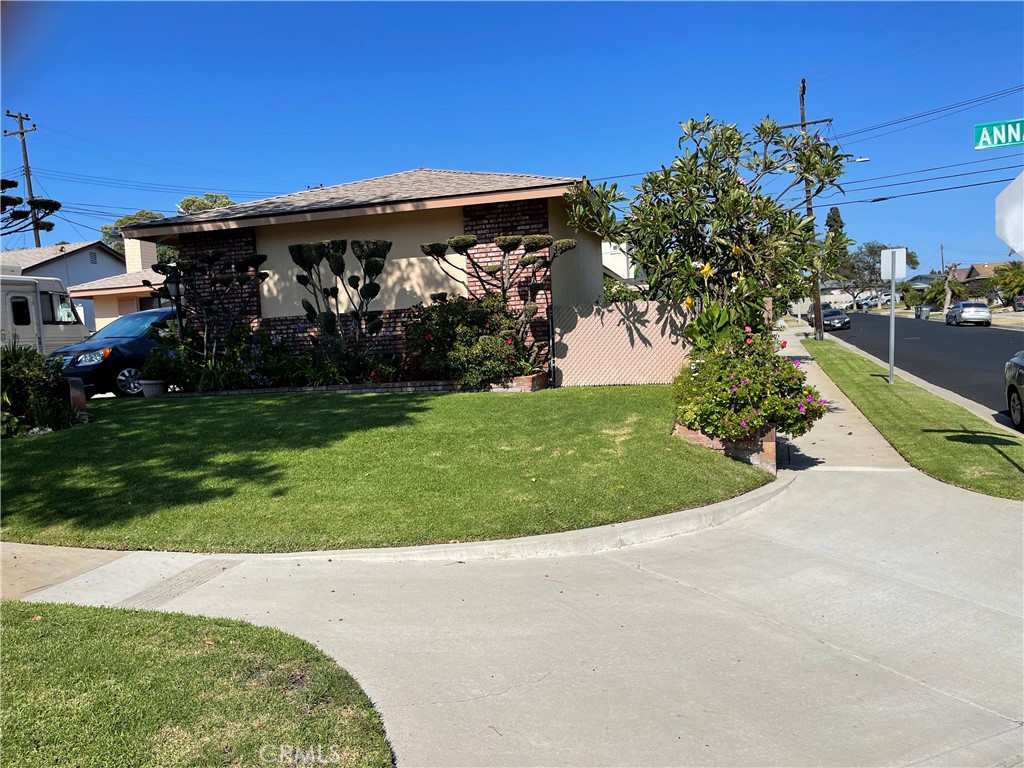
157, 372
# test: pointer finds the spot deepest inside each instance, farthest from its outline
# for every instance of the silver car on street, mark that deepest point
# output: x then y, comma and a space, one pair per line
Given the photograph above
976, 312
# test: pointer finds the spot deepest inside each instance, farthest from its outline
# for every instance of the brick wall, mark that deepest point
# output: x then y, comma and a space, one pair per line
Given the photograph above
230, 245
297, 334
516, 217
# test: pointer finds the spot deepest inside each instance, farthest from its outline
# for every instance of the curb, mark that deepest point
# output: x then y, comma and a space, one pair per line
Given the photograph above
588, 541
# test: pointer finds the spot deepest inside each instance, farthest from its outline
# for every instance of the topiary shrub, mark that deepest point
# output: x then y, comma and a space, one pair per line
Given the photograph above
474, 342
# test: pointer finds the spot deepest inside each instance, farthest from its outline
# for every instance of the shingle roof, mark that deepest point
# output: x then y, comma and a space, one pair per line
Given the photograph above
961, 274
407, 186
128, 280
986, 270
27, 258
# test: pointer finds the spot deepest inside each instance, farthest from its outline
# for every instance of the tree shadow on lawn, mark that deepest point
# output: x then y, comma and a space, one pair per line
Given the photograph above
974, 437
140, 457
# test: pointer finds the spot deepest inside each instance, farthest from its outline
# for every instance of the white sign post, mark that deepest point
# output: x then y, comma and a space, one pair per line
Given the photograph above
893, 264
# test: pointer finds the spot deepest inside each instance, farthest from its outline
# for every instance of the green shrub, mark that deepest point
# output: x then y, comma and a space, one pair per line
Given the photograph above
471, 341
616, 290
248, 360
31, 396
742, 386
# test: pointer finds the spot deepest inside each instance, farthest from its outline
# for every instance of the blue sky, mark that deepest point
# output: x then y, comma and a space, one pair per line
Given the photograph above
258, 99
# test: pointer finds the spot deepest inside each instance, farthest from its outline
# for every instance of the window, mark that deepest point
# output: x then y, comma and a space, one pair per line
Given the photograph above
58, 309
20, 313
92, 257
151, 302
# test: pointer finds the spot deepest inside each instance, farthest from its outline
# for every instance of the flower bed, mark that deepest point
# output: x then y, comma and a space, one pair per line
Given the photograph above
742, 390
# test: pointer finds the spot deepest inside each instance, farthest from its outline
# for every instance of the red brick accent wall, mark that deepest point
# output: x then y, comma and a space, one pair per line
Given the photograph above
231, 245
516, 217
297, 334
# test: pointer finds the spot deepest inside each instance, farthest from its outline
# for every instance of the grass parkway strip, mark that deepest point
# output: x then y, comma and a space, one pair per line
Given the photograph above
935, 436
101, 687
267, 473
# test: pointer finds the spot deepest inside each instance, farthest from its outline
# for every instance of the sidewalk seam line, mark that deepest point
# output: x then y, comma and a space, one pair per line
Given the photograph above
866, 569
805, 634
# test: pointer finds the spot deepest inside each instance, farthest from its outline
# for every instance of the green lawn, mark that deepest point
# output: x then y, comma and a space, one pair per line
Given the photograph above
101, 687
932, 434
326, 470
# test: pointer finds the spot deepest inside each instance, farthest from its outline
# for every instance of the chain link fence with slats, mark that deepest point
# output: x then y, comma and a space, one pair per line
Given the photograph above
622, 343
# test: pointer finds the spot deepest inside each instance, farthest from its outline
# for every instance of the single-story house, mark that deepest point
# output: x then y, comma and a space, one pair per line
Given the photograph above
123, 293
407, 208
923, 281
72, 263
977, 277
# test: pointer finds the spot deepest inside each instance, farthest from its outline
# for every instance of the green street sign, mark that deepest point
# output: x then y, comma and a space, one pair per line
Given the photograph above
1005, 133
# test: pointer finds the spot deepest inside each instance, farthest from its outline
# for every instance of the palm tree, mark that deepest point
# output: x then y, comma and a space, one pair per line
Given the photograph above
1008, 280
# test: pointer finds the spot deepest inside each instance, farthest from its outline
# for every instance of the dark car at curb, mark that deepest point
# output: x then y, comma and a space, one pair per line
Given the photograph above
835, 320
111, 359
1014, 371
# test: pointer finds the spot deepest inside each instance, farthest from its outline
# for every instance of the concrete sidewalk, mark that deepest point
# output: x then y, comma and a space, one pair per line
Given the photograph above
867, 615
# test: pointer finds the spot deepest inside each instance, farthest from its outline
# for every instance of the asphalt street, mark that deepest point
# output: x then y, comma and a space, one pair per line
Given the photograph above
967, 360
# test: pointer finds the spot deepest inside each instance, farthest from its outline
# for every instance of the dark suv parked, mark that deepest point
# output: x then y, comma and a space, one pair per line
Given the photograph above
110, 359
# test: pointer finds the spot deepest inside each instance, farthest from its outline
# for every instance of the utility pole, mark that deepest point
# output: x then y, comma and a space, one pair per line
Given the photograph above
942, 258
20, 133
819, 328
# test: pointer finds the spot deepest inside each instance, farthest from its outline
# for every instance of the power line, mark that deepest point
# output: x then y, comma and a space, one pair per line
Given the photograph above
102, 181
69, 221
148, 157
923, 192
936, 168
969, 103
919, 181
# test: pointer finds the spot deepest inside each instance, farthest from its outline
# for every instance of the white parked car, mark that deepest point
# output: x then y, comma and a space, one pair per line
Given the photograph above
969, 312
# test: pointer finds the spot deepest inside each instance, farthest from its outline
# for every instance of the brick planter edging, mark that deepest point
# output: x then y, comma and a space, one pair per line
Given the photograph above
356, 389
531, 383
757, 450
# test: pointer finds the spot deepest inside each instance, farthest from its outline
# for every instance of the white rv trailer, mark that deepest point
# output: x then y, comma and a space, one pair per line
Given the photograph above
37, 312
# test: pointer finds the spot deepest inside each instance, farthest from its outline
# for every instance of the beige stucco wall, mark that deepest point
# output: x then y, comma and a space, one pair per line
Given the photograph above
409, 277
105, 308
577, 277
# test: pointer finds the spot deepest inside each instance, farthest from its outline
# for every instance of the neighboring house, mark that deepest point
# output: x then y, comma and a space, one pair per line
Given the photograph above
408, 208
960, 274
615, 261
71, 263
921, 282
123, 293
977, 277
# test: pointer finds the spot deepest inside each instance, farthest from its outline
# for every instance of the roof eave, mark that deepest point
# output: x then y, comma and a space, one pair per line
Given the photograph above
84, 293
169, 234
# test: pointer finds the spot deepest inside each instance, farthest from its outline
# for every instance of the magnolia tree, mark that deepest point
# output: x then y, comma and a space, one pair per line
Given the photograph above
720, 229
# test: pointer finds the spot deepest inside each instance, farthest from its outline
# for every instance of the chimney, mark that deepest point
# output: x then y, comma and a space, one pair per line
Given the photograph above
138, 255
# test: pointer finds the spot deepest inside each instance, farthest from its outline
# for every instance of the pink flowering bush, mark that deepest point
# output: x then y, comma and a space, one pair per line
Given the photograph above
742, 386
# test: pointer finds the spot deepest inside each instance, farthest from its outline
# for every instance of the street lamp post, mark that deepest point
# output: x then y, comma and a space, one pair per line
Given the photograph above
173, 286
